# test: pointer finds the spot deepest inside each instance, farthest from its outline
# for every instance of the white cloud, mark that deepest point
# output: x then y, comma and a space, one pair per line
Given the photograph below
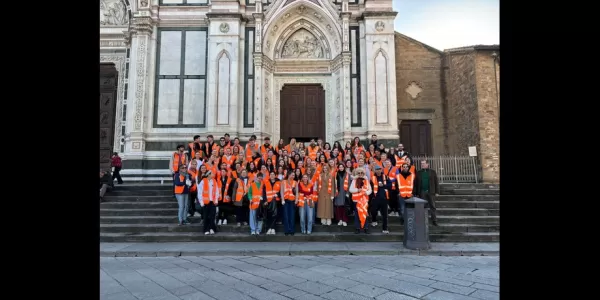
449, 24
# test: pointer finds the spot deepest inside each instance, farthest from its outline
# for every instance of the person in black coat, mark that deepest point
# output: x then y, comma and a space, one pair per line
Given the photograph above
427, 187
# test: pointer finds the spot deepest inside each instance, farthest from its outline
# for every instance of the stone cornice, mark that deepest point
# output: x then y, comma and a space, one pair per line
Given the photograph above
142, 25
218, 15
377, 14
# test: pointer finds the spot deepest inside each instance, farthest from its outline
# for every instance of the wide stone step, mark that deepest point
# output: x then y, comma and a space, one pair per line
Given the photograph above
139, 205
141, 192
137, 198
232, 227
144, 186
463, 191
466, 198
481, 186
375, 236
468, 204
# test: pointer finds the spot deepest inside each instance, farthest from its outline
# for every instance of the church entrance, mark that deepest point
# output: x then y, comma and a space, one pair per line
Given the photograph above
415, 136
302, 112
108, 106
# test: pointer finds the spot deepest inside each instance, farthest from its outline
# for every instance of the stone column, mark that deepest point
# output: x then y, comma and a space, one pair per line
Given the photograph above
223, 72
143, 47
380, 64
345, 89
259, 113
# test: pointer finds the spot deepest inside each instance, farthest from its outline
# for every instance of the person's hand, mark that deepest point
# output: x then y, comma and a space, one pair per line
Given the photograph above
332, 198
201, 203
380, 184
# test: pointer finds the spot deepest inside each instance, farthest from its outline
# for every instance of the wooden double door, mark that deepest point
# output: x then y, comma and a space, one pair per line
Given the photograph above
302, 112
108, 106
415, 136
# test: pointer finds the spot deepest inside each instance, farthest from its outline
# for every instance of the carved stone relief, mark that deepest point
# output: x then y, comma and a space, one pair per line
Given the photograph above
379, 26
140, 83
224, 28
302, 44
413, 89
301, 10
143, 3
113, 12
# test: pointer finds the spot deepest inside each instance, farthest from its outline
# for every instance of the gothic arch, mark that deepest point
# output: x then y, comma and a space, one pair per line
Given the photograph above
317, 20
298, 27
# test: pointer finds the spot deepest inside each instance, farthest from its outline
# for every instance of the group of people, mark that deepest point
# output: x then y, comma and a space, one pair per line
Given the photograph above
268, 184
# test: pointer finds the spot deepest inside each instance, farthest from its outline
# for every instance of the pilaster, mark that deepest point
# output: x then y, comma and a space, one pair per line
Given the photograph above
261, 129
345, 92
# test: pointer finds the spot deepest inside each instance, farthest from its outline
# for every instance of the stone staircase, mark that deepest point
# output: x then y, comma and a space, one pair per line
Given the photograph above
148, 213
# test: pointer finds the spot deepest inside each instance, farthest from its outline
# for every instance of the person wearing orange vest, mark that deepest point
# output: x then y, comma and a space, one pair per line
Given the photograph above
193, 171
208, 196
289, 193
225, 204
360, 190
194, 147
240, 192
313, 148
272, 201
405, 187
177, 159
379, 203
342, 197
392, 173
306, 204
182, 184
255, 195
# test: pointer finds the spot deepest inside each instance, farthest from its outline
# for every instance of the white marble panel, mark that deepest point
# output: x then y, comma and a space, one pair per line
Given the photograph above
249, 109
195, 53
354, 88
197, 1
353, 49
168, 102
194, 99
250, 58
172, 1
224, 69
170, 53
381, 89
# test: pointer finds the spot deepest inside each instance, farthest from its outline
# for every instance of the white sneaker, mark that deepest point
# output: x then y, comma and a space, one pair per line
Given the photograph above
340, 223
379, 214
273, 231
323, 222
245, 223
252, 233
239, 224
344, 224
220, 222
328, 222
224, 221
374, 224
385, 232
257, 232
207, 233
212, 231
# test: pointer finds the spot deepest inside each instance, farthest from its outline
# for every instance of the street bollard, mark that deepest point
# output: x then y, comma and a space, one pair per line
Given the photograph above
416, 224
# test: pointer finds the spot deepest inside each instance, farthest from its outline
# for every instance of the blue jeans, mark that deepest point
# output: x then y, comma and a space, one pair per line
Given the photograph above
182, 201
289, 216
401, 205
253, 227
306, 218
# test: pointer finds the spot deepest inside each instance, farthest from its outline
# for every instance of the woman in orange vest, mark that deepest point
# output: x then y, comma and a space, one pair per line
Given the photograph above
255, 195
297, 175
226, 188
342, 196
182, 192
272, 201
305, 203
360, 190
193, 171
289, 193
240, 192
209, 193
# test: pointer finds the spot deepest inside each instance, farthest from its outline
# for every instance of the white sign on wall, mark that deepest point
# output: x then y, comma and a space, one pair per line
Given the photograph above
472, 151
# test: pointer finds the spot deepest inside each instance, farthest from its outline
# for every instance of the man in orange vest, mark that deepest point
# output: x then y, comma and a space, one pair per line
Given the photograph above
182, 183
177, 159
255, 196
208, 196
405, 187
381, 186
272, 201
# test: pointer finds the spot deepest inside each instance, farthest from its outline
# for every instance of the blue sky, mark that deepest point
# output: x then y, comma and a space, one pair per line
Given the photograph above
445, 24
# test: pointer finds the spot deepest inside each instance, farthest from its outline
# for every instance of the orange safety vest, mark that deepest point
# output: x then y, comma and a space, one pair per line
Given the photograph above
178, 160
303, 193
256, 194
193, 175
405, 185
229, 161
242, 189
376, 186
288, 194
392, 170
223, 195
249, 152
209, 149
206, 190
312, 152
361, 199
271, 190
179, 189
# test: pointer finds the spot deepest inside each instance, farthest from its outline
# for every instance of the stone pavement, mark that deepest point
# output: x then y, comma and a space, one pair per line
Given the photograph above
348, 277
291, 248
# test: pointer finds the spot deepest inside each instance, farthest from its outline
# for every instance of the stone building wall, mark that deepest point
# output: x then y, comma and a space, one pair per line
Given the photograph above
420, 64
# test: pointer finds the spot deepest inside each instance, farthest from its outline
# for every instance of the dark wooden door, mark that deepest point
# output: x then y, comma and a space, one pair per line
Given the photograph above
415, 135
108, 105
302, 112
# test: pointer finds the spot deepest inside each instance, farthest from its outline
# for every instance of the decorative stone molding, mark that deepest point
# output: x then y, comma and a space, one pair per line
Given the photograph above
140, 82
413, 89
325, 82
119, 61
142, 26
224, 28
310, 32
113, 13
379, 26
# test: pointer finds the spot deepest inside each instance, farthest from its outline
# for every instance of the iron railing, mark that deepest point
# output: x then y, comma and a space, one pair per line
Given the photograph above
453, 169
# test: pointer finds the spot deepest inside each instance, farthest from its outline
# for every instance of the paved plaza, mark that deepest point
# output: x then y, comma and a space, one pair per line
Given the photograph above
345, 277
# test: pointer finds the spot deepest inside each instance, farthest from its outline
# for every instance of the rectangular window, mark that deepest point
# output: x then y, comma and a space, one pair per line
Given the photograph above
249, 78
180, 87
355, 77
183, 2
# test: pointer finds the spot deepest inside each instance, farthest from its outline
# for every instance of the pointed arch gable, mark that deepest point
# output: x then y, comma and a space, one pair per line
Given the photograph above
299, 26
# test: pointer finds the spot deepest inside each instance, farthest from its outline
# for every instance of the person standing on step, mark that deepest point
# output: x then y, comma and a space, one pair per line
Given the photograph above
208, 188
289, 192
193, 172
326, 187
271, 199
182, 184
194, 147
242, 183
392, 173
427, 187
255, 193
305, 203
342, 196
177, 159
405, 187
360, 190
116, 165
381, 187
226, 188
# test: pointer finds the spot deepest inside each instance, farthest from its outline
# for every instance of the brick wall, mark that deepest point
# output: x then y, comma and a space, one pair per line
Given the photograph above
417, 62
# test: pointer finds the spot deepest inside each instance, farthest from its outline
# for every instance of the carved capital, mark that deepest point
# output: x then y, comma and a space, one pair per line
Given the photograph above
345, 15
142, 26
346, 57
258, 16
